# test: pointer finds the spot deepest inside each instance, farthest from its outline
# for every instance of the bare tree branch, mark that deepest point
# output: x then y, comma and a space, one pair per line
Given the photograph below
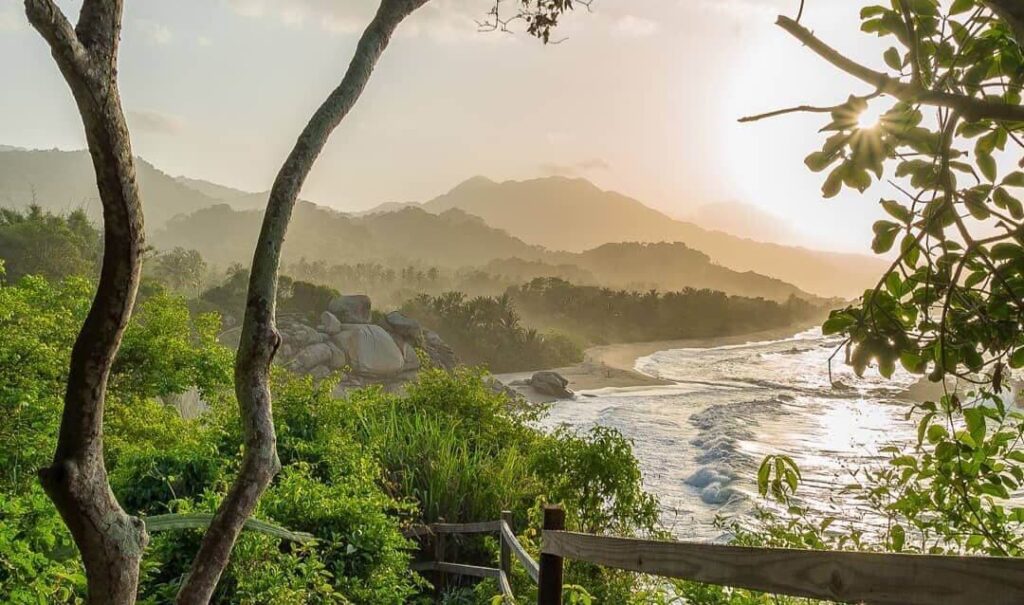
971, 108
110, 541
803, 109
259, 338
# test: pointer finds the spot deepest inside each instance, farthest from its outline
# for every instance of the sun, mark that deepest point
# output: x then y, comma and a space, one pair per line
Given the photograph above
870, 117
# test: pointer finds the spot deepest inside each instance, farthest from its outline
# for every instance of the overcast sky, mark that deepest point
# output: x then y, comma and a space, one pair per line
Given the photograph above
641, 97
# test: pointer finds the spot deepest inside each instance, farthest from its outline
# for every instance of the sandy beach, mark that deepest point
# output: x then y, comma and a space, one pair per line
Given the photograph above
611, 366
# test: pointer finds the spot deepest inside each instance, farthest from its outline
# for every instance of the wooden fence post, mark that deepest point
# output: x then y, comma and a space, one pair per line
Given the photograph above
505, 562
550, 580
440, 540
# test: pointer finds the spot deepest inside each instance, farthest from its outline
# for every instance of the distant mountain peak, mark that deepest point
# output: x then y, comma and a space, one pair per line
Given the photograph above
474, 182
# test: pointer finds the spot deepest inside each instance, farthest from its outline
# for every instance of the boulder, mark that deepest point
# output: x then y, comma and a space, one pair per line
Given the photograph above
551, 383
441, 355
404, 326
330, 323
351, 309
320, 372
412, 360
370, 349
312, 356
338, 358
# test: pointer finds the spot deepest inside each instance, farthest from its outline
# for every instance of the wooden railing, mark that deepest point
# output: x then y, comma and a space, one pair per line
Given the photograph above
510, 547
844, 577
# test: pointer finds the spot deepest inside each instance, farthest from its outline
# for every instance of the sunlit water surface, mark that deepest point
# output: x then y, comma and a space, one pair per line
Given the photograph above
701, 440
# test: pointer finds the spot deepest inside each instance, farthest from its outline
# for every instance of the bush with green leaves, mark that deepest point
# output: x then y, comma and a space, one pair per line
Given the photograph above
356, 470
950, 306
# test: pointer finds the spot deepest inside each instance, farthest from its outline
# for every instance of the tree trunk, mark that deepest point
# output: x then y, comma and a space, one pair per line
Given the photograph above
110, 541
259, 338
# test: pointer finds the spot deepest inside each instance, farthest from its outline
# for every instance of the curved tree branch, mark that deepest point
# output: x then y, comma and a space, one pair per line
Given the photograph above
259, 338
110, 541
970, 107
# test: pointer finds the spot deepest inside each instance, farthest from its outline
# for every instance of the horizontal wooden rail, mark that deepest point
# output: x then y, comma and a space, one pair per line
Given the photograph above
849, 577
461, 569
507, 540
480, 527
520, 552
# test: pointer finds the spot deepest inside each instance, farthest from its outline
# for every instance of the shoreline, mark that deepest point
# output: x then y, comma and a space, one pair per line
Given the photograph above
612, 366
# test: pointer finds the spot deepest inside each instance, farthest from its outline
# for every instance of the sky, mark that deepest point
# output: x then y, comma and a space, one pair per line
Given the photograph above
639, 96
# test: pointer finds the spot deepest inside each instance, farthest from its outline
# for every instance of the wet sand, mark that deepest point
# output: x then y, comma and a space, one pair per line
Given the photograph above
612, 366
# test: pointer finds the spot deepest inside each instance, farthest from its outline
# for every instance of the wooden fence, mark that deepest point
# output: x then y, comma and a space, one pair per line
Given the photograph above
844, 577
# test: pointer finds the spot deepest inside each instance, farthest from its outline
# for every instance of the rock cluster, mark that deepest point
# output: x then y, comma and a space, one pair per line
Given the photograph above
345, 340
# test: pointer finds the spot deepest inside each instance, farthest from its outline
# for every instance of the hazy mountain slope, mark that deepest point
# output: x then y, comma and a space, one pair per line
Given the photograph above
744, 220
64, 180
573, 214
236, 198
455, 239
673, 266
317, 233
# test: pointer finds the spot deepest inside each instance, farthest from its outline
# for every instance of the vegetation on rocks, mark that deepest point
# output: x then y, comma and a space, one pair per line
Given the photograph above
356, 471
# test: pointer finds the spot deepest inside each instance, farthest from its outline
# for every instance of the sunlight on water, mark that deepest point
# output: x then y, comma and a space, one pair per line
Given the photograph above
700, 440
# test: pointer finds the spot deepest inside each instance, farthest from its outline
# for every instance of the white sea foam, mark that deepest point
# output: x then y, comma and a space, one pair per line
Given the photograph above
700, 441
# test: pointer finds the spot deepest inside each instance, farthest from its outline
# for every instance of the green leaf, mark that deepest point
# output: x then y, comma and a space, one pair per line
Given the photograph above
975, 419
899, 537
834, 182
988, 167
1017, 359
961, 6
1014, 179
819, 160
893, 59
885, 236
897, 210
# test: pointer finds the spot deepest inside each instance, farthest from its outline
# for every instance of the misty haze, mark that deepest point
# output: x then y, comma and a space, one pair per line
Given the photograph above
512, 301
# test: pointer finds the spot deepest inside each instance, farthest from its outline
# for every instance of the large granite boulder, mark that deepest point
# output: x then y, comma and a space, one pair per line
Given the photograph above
441, 355
551, 383
403, 326
339, 359
330, 323
312, 356
351, 309
412, 360
370, 350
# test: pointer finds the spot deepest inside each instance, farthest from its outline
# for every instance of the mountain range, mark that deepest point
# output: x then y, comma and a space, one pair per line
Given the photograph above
550, 222
574, 214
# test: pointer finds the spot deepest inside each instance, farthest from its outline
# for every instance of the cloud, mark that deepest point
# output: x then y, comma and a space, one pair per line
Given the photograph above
739, 9
441, 20
203, 41
154, 122
155, 34
576, 169
631, 26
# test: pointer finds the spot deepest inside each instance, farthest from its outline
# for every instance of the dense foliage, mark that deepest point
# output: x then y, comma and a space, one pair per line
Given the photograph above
355, 472
949, 308
488, 331
600, 315
35, 242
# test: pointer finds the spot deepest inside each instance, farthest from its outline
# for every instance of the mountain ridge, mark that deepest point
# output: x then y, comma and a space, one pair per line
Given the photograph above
578, 216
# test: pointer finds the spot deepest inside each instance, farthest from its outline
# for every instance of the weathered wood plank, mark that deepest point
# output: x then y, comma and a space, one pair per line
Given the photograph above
549, 581
467, 570
517, 549
480, 527
506, 588
505, 554
873, 579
